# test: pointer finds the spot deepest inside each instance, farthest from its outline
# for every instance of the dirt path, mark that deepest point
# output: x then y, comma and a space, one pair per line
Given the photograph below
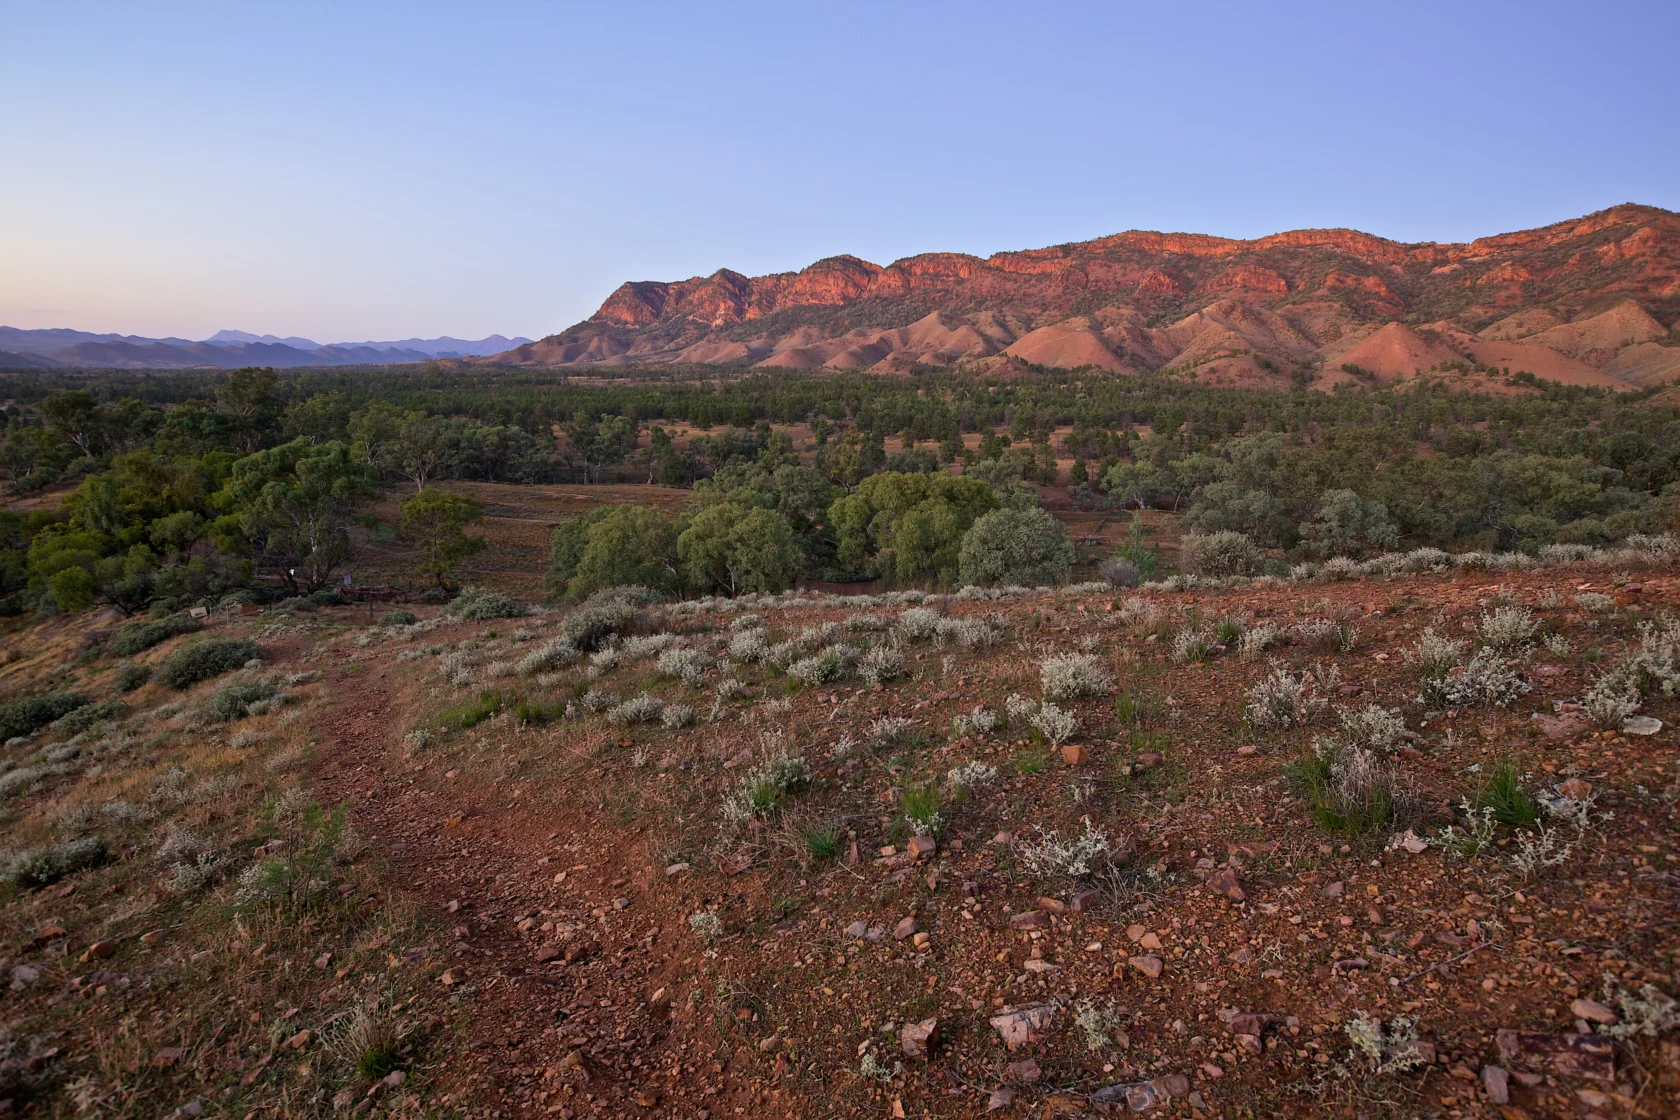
540, 1033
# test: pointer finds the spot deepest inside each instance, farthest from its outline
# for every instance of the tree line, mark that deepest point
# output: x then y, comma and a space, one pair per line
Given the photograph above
183, 487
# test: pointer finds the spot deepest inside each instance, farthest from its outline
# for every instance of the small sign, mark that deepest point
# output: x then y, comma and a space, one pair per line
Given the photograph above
198, 612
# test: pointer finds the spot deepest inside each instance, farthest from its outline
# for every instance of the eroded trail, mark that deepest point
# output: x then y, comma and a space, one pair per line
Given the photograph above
558, 982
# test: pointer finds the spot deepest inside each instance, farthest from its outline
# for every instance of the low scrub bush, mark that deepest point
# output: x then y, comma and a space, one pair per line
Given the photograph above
601, 616
969, 633
235, 699
1350, 789
1373, 728
1653, 667
831, 664
979, 721
84, 717
1054, 723
1660, 550
1191, 646
1225, 553
480, 604
131, 675
1508, 629
1282, 699
1433, 657
31, 713
1611, 700
1074, 677
1386, 1048
1257, 639
919, 623
1486, 680
748, 645
552, 654
765, 790
40, 867
640, 709
1080, 856
881, 664
888, 729
687, 665
137, 637
597, 700
201, 661
971, 776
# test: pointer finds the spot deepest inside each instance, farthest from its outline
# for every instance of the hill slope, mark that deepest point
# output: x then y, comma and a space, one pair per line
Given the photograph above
224, 349
1594, 300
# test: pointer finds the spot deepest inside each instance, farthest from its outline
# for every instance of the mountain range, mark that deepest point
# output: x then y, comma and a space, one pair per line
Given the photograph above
48, 349
1591, 301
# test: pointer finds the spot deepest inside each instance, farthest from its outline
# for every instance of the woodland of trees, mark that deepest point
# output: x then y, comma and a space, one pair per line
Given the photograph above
189, 488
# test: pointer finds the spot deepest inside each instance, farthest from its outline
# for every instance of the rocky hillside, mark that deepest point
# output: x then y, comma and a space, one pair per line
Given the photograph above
1385, 845
1593, 301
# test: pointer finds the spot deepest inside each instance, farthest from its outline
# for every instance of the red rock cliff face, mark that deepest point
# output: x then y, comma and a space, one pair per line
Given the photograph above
1322, 284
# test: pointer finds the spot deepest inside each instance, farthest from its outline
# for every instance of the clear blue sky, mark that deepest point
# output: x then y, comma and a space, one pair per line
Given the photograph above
347, 171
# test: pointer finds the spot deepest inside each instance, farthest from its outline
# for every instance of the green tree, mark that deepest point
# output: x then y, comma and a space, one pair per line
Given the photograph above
629, 546
1347, 525
598, 444
291, 508
908, 526
247, 396
735, 548
403, 441
436, 520
72, 589
565, 549
1016, 546
319, 418
75, 417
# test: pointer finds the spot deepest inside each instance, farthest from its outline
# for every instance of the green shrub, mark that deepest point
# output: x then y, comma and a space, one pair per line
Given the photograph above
30, 714
131, 676
87, 715
40, 866
200, 661
233, 700
398, 617
601, 615
478, 604
1015, 546
137, 637
1225, 553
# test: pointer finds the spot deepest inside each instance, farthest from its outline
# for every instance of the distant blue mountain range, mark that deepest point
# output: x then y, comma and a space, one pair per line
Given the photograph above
49, 349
